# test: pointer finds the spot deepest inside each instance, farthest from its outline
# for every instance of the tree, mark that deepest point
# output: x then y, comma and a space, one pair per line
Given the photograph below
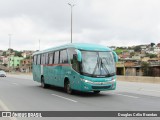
17, 53
119, 51
151, 55
132, 54
152, 44
10, 50
145, 68
130, 48
4, 54
137, 49
5, 64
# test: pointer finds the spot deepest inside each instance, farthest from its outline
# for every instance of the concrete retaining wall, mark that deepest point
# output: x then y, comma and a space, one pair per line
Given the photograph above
139, 79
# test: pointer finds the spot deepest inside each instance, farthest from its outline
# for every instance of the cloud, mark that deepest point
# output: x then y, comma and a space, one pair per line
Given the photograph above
109, 22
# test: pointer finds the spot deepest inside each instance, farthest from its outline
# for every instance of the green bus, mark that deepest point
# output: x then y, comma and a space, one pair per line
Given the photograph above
76, 66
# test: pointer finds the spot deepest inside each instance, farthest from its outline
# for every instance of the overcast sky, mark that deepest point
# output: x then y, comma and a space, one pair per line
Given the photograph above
106, 22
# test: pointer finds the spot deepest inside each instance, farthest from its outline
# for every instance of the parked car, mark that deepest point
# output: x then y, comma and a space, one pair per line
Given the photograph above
2, 73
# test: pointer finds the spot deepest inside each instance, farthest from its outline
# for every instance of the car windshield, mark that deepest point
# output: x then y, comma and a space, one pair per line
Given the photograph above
98, 63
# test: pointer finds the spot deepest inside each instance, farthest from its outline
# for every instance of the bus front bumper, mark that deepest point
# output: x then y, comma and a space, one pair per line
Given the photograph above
98, 86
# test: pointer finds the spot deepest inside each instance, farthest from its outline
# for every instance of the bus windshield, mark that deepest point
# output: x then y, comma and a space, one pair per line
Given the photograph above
99, 64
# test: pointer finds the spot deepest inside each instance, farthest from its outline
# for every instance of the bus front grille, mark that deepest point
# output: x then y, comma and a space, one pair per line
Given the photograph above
101, 87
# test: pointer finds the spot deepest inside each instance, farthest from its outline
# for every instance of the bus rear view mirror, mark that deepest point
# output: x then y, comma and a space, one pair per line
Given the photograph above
115, 56
75, 57
79, 55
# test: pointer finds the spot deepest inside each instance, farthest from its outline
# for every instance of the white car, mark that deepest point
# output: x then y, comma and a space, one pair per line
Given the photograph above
2, 73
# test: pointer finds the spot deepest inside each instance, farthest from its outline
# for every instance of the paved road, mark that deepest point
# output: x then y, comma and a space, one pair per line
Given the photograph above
21, 93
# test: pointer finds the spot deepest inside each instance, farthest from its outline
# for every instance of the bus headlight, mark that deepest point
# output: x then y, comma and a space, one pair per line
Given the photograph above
113, 80
87, 81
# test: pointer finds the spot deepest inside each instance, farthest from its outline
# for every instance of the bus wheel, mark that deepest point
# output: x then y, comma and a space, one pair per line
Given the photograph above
68, 87
43, 85
96, 92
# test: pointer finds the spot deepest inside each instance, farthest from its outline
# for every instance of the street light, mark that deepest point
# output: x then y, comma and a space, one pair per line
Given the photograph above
72, 5
39, 44
9, 40
9, 49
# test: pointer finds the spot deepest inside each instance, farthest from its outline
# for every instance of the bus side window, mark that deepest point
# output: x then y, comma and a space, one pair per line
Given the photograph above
63, 57
75, 64
56, 57
35, 59
46, 58
42, 59
50, 58
53, 57
39, 60
73, 59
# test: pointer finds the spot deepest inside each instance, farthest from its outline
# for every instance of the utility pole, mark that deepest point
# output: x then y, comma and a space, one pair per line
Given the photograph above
39, 44
72, 5
9, 50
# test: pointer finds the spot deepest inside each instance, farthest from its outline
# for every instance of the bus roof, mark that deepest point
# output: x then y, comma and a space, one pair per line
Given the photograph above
81, 46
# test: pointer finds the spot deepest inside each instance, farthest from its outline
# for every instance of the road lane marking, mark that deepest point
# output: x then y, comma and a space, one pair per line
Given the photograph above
5, 108
64, 98
15, 83
149, 90
125, 95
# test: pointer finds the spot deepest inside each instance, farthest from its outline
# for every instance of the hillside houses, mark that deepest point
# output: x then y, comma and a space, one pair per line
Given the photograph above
11, 60
131, 60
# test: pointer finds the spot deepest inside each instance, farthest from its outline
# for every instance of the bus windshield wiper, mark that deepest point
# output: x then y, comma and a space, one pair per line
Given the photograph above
104, 67
97, 65
100, 65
